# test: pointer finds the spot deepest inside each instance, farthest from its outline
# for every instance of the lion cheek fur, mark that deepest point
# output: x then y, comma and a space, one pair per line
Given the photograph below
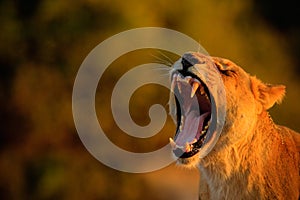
249, 160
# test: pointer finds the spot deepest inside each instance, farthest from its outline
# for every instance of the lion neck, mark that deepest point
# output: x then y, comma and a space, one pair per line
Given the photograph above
224, 167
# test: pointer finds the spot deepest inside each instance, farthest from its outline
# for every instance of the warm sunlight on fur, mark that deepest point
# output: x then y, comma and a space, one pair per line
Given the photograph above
254, 158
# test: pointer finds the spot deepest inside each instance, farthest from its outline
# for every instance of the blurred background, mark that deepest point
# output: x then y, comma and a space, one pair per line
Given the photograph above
42, 45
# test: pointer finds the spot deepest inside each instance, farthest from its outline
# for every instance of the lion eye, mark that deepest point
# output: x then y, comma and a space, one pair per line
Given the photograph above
228, 72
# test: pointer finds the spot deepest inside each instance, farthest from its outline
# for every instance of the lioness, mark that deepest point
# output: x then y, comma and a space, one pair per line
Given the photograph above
224, 129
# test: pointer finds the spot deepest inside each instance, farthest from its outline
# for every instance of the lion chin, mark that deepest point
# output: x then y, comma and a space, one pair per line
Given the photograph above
224, 129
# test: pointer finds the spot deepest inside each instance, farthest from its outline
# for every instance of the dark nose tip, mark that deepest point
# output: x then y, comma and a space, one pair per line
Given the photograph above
185, 64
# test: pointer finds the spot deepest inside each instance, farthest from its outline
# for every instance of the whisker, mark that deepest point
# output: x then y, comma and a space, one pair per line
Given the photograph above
167, 75
163, 68
165, 56
161, 61
163, 71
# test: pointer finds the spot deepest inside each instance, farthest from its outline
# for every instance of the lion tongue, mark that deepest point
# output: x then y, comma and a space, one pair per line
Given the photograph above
192, 126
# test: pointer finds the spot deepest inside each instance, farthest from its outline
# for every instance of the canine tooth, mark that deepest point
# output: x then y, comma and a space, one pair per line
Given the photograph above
172, 143
202, 91
180, 128
182, 79
179, 88
187, 147
196, 80
193, 141
181, 122
173, 83
194, 88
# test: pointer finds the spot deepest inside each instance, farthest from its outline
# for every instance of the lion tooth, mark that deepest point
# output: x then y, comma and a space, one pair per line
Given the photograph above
181, 123
206, 127
202, 91
173, 86
172, 143
195, 86
187, 147
180, 128
173, 83
193, 141
181, 79
179, 88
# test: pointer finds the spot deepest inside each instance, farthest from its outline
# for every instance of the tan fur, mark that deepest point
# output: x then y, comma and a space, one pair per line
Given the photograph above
254, 158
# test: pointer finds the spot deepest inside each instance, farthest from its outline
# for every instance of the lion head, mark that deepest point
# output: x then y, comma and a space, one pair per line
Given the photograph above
214, 103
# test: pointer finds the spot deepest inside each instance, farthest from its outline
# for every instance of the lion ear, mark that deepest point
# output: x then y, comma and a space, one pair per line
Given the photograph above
267, 94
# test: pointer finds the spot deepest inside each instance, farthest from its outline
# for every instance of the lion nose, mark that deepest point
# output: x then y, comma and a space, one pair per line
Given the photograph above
185, 64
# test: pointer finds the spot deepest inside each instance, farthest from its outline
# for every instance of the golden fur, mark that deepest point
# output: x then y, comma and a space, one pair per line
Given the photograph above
254, 158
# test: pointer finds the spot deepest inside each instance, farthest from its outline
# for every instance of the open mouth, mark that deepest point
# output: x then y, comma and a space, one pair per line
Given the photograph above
193, 110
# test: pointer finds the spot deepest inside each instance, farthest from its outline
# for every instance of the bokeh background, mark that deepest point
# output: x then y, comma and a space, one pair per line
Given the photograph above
42, 45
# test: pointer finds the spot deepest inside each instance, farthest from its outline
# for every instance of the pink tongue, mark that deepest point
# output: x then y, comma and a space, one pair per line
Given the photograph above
192, 123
